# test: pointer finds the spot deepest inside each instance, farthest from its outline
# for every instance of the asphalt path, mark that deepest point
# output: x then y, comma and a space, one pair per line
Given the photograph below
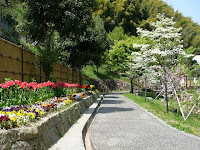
120, 124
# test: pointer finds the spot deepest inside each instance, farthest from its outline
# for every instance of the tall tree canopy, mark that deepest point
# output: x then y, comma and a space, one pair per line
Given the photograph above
85, 48
71, 20
131, 14
165, 46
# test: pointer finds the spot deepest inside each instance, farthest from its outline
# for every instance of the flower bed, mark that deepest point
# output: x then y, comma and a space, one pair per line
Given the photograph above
43, 133
22, 102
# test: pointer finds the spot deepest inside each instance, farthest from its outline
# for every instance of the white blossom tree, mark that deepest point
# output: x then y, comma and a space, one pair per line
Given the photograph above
166, 45
134, 68
139, 66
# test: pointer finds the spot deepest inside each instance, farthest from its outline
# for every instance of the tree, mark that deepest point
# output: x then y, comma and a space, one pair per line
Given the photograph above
41, 23
72, 18
141, 65
119, 52
166, 45
8, 23
86, 48
130, 14
124, 13
117, 34
135, 68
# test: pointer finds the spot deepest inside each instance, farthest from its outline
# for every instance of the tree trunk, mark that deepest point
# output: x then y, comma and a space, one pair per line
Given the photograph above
186, 82
46, 67
145, 93
132, 88
165, 84
46, 71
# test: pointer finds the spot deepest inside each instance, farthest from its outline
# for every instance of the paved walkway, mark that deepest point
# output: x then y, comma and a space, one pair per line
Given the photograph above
122, 125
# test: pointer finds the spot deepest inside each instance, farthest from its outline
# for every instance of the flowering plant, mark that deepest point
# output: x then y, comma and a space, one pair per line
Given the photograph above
22, 102
21, 93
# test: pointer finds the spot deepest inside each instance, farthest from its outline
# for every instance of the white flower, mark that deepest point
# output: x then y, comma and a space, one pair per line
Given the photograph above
12, 115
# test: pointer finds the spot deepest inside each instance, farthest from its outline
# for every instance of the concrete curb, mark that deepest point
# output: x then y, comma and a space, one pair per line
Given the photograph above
164, 123
86, 131
74, 139
92, 145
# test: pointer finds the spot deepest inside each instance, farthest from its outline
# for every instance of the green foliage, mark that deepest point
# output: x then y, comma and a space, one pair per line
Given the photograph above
117, 34
190, 50
19, 15
86, 48
8, 21
7, 79
119, 52
194, 70
29, 47
193, 67
131, 14
79, 37
102, 73
47, 60
52, 78
37, 20
149, 94
17, 96
32, 79
72, 18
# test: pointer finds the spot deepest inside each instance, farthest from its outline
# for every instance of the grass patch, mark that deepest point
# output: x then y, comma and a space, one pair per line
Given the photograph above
102, 73
191, 125
29, 47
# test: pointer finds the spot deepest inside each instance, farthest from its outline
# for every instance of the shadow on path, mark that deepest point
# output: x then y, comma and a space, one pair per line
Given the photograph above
113, 102
104, 110
111, 97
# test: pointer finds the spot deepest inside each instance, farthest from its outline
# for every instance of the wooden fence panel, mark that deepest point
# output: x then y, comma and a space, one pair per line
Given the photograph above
10, 60
69, 75
85, 78
8, 49
75, 76
63, 73
56, 72
18, 63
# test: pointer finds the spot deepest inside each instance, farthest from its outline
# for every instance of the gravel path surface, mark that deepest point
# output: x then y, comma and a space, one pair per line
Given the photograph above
120, 124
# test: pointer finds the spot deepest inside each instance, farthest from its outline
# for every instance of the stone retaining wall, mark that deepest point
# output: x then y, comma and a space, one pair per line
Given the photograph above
111, 85
45, 132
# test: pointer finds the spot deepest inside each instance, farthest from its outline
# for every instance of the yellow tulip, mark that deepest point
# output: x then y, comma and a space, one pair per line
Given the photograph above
92, 86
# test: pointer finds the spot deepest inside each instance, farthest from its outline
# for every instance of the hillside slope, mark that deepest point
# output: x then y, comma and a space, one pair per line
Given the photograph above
131, 14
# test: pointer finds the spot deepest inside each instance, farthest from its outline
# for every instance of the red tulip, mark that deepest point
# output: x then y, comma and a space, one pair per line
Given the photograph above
24, 83
34, 87
18, 82
10, 83
4, 86
84, 86
22, 86
54, 85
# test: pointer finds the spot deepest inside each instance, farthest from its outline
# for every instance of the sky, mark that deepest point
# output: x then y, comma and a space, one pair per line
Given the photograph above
189, 8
